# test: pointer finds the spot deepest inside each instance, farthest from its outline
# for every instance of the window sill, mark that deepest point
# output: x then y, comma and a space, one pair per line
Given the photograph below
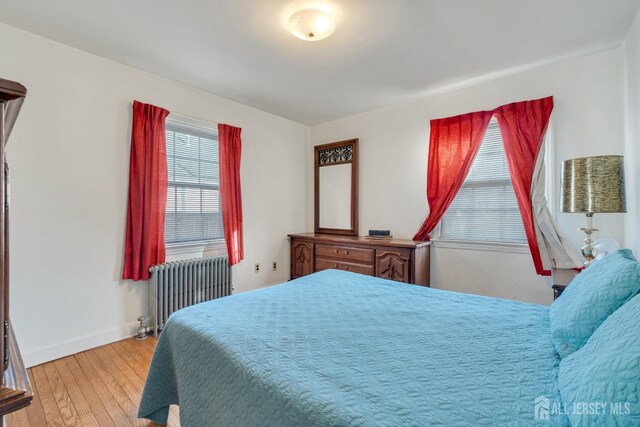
513, 248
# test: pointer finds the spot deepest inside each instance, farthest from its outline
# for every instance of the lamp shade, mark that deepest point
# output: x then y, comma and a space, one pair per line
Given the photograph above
593, 185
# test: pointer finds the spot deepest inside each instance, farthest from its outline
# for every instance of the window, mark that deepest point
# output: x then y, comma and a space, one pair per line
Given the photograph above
193, 197
485, 209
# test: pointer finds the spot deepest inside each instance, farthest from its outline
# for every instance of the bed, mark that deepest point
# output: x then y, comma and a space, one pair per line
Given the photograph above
343, 349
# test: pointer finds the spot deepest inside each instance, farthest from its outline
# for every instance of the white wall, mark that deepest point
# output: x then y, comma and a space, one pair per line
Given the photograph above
587, 120
69, 154
632, 140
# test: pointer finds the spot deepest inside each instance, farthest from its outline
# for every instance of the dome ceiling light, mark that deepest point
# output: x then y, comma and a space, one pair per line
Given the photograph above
311, 24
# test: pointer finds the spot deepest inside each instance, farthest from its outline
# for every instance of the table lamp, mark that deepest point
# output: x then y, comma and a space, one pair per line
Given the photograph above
593, 185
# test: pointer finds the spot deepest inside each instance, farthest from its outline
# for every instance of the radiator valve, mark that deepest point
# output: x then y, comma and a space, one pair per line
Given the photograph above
142, 330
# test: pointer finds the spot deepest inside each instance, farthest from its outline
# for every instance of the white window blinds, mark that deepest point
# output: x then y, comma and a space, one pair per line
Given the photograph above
485, 209
193, 197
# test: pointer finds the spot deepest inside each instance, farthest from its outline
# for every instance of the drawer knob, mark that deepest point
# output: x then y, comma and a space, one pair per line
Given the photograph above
335, 265
346, 268
347, 252
336, 251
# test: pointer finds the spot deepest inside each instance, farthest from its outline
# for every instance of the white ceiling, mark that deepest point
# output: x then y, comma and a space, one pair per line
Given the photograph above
382, 52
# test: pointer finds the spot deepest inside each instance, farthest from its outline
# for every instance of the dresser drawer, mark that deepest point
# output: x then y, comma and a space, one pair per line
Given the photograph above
324, 264
345, 253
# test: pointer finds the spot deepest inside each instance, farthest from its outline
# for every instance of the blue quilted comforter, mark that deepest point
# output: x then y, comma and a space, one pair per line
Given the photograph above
341, 349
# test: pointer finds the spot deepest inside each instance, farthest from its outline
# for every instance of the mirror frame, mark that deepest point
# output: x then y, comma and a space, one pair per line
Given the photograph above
353, 231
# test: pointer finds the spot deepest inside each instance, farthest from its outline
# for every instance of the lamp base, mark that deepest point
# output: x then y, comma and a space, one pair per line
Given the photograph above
588, 251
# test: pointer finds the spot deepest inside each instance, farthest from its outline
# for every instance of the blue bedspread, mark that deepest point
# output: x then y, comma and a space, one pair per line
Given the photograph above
342, 349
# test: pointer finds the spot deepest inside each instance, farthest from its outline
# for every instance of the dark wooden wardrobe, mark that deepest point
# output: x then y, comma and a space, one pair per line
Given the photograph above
15, 390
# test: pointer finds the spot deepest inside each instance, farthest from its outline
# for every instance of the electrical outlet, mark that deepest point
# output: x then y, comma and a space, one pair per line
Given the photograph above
256, 268
275, 265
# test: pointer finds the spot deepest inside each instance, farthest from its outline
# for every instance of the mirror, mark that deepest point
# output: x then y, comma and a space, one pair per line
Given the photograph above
335, 206
336, 188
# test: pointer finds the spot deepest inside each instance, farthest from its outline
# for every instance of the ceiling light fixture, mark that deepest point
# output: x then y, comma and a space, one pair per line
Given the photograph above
311, 24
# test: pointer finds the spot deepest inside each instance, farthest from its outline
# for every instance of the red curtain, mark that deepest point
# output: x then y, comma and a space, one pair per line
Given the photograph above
144, 244
522, 126
230, 191
453, 144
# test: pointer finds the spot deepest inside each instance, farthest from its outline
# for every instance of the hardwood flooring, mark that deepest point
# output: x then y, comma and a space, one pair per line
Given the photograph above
98, 387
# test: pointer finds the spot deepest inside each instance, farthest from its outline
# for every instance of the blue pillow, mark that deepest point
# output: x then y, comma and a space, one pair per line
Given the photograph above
600, 383
591, 297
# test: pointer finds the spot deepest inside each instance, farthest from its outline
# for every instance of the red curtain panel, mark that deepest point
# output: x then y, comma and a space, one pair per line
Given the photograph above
230, 190
144, 244
522, 126
453, 144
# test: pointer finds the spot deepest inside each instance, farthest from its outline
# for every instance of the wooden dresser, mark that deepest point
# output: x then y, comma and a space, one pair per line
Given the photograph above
15, 389
401, 260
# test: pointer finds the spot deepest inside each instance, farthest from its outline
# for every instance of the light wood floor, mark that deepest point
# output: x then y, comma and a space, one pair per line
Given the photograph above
98, 387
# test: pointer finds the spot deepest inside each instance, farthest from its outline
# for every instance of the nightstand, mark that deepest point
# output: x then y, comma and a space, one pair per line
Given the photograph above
561, 279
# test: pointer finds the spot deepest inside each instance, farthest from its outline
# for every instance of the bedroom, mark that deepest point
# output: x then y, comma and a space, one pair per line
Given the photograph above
237, 63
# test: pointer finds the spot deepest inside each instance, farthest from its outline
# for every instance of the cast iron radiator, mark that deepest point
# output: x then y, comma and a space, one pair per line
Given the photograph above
179, 284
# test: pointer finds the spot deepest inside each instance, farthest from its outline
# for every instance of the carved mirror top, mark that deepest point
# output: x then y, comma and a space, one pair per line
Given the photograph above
335, 155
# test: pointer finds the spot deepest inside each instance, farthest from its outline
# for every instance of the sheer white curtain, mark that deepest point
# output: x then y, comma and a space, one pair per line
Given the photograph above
555, 251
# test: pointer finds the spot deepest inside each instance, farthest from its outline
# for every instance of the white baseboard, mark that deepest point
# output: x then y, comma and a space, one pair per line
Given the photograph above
76, 345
